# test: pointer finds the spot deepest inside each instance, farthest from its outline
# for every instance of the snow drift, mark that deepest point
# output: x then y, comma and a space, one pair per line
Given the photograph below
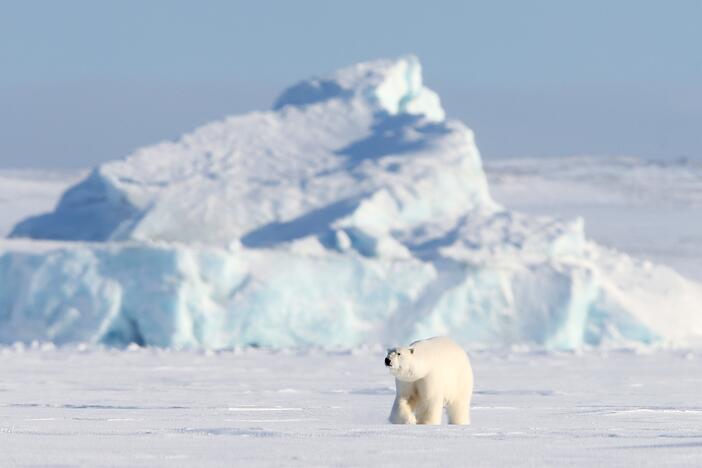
354, 212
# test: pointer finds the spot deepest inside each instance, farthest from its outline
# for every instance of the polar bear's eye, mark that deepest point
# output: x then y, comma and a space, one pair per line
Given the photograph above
411, 350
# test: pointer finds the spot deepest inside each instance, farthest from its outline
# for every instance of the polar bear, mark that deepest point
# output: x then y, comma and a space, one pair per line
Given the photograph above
430, 374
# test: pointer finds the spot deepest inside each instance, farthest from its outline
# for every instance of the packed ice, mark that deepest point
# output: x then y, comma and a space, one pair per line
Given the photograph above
352, 213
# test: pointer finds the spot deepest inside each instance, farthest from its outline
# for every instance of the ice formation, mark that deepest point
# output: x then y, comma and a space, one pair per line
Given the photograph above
368, 139
351, 213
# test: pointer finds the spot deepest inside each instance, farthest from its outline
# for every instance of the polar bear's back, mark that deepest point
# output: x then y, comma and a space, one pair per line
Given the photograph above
441, 346
447, 360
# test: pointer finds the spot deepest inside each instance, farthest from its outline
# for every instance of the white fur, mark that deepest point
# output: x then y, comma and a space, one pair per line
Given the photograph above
431, 374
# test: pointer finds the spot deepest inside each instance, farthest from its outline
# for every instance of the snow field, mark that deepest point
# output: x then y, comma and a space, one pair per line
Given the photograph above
89, 406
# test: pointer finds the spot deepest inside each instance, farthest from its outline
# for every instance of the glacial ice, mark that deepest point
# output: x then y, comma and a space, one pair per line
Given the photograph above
351, 213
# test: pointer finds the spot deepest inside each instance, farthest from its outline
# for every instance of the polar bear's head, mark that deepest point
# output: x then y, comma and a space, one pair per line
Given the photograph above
405, 364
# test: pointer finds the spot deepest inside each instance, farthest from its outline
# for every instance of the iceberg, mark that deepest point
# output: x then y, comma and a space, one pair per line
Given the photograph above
368, 134
352, 213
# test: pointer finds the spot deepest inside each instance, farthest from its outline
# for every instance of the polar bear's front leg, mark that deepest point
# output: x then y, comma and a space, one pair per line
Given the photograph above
402, 411
459, 412
431, 412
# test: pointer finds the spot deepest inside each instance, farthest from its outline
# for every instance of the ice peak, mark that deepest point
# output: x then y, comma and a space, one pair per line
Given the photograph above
393, 85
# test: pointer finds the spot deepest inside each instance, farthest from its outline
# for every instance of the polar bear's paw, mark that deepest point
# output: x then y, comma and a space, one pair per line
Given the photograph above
402, 414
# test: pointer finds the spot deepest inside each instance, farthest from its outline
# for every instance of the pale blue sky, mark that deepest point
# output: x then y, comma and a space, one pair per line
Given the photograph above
86, 81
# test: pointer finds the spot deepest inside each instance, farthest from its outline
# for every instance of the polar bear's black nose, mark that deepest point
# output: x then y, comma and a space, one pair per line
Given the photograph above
387, 361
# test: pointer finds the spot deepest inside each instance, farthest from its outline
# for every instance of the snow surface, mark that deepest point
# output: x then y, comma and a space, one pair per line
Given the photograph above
150, 407
352, 213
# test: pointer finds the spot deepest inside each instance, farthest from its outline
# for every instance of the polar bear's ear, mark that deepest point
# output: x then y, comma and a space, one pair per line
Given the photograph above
411, 350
